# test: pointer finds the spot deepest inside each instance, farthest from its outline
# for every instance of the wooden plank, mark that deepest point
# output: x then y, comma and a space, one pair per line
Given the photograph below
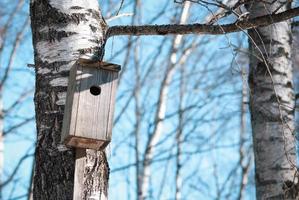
83, 143
88, 118
112, 104
70, 109
92, 111
99, 64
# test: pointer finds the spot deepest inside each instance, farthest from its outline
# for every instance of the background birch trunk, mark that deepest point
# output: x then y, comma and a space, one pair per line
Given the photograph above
179, 136
62, 32
245, 154
161, 108
272, 105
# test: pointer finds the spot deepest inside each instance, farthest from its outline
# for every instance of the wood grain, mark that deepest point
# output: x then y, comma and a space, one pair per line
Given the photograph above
79, 174
88, 118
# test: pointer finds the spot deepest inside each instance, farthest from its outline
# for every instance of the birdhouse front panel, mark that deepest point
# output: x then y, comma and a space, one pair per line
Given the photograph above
88, 117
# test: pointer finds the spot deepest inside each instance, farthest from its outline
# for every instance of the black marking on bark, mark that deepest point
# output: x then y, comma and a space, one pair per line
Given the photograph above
264, 182
96, 15
290, 189
53, 67
290, 85
266, 40
95, 41
76, 7
274, 139
263, 88
85, 51
48, 15
280, 167
93, 28
281, 52
274, 99
261, 110
52, 35
290, 34
262, 68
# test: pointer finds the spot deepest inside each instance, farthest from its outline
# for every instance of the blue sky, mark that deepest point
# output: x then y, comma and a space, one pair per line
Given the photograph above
212, 62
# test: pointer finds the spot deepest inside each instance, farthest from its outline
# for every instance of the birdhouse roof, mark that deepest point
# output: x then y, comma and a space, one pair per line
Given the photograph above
99, 64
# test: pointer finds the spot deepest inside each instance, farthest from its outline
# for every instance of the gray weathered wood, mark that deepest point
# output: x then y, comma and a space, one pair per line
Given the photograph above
88, 118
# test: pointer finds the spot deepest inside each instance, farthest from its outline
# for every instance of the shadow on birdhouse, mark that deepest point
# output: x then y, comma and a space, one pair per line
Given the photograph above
88, 114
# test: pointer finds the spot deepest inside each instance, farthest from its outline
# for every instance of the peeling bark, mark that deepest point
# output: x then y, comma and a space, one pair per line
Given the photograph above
63, 31
272, 106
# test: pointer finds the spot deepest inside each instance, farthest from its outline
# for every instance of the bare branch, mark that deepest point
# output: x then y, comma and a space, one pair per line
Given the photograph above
4, 29
119, 16
12, 128
203, 28
12, 55
27, 155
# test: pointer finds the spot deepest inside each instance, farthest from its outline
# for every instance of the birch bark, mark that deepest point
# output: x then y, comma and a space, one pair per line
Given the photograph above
272, 105
63, 31
179, 137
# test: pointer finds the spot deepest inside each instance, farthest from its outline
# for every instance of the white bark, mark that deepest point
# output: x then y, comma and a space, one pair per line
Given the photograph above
179, 137
221, 11
272, 106
243, 162
63, 31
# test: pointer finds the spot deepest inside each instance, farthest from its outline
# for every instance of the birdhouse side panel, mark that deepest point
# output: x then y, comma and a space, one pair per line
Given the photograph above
114, 84
71, 106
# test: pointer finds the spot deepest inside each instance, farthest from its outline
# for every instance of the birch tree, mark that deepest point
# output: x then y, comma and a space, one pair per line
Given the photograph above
272, 105
161, 108
64, 31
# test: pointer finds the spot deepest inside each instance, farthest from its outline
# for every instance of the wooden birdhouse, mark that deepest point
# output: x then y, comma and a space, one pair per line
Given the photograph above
88, 115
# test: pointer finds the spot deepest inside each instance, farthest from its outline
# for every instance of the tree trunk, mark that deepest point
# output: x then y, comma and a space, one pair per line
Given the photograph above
244, 160
272, 105
179, 137
62, 32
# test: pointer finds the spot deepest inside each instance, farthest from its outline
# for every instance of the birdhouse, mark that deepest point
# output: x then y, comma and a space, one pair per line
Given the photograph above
88, 115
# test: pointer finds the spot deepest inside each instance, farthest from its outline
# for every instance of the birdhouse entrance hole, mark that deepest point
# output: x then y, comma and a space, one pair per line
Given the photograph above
95, 90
